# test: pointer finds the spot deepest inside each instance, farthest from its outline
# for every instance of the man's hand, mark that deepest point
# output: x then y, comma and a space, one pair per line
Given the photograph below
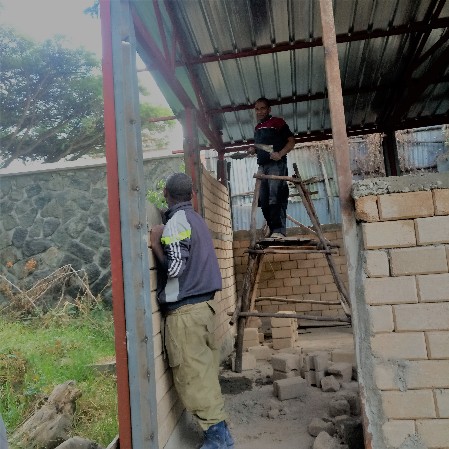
275, 156
251, 151
156, 234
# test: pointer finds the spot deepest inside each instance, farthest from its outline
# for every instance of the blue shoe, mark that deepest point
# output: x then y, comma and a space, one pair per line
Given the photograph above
228, 438
215, 437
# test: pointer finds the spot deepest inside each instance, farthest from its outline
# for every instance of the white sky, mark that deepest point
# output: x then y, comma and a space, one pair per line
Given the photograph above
43, 19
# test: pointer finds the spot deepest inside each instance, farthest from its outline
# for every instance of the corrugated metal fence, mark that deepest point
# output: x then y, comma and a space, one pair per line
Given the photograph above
418, 151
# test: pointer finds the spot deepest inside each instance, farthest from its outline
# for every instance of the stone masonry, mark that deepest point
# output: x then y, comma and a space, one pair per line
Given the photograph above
54, 217
405, 231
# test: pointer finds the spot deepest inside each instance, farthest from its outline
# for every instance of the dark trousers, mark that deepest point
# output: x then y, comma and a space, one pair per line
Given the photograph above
273, 196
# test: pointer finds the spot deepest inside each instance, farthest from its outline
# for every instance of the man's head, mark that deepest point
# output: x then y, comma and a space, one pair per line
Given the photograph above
178, 188
262, 108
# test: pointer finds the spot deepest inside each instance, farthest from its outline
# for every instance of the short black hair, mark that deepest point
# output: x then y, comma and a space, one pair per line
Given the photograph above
179, 186
264, 100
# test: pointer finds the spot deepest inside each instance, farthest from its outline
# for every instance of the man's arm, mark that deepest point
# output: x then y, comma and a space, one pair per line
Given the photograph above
278, 155
156, 245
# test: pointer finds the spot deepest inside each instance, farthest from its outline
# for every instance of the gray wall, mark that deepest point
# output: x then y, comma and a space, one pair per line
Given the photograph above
56, 217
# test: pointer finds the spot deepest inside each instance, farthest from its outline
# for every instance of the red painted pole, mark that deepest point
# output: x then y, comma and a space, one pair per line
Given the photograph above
118, 299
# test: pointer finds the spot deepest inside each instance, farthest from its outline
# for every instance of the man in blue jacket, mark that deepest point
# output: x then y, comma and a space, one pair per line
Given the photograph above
189, 276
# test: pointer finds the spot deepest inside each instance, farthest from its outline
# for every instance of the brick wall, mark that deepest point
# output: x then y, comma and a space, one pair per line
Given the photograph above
406, 288
218, 217
295, 276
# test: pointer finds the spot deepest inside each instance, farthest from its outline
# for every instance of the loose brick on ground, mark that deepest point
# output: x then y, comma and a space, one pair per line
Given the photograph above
260, 352
291, 388
248, 362
330, 384
341, 371
285, 362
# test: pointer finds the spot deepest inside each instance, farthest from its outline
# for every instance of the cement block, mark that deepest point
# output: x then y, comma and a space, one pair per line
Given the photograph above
393, 290
376, 264
278, 375
441, 201
420, 260
248, 362
310, 378
281, 343
261, 337
399, 206
438, 345
339, 407
251, 333
381, 319
442, 399
366, 208
422, 317
433, 432
320, 361
284, 322
341, 371
319, 375
432, 231
433, 287
353, 399
396, 432
291, 388
325, 441
317, 426
411, 404
283, 332
395, 234
285, 362
406, 345
330, 384
260, 352
250, 343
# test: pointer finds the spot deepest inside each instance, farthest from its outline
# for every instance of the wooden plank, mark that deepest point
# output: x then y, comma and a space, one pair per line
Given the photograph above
292, 315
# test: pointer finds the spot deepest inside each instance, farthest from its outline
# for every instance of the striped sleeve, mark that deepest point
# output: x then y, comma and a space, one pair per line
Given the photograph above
176, 242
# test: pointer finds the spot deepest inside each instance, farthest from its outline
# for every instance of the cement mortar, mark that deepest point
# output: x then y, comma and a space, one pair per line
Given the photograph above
400, 184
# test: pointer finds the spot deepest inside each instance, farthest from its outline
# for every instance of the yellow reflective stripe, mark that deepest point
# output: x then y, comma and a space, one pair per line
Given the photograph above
176, 238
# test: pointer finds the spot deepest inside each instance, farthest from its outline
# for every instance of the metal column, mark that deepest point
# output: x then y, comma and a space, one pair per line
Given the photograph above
125, 167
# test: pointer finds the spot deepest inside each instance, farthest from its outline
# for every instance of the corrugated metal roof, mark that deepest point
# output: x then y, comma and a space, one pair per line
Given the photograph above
229, 53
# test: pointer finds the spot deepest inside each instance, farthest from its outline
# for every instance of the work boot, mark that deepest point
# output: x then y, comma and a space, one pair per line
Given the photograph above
228, 437
277, 236
215, 437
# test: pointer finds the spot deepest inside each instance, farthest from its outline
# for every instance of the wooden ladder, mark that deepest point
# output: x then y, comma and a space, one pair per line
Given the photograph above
288, 245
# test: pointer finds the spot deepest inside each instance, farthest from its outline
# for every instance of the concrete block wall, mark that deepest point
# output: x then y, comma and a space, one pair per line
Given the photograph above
295, 276
218, 217
217, 213
406, 287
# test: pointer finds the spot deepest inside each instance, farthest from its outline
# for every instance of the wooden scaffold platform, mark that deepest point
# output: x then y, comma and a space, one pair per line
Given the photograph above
245, 306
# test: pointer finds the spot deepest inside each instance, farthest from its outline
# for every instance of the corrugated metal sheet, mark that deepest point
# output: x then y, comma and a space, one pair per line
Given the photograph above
239, 50
419, 149
419, 152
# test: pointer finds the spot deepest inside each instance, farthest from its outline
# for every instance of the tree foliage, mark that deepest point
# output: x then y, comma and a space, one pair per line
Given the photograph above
50, 100
51, 104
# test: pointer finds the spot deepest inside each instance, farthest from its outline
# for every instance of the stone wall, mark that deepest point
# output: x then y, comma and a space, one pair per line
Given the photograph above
218, 217
405, 228
295, 276
51, 218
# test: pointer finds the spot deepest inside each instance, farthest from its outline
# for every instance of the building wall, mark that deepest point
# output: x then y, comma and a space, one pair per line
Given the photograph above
53, 217
406, 293
295, 276
218, 217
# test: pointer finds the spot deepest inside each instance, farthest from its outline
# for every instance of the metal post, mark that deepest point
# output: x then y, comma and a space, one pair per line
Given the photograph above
133, 231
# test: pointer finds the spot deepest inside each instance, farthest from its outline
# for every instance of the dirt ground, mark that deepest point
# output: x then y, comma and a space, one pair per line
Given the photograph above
257, 419
249, 399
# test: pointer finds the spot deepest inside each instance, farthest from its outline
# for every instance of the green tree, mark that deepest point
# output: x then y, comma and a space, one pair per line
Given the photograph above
51, 104
50, 100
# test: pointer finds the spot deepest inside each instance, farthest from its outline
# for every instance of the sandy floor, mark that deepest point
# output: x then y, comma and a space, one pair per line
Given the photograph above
250, 401
249, 408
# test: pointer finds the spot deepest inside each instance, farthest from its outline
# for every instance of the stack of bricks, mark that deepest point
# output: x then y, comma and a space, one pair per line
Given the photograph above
250, 337
406, 237
296, 276
314, 367
284, 332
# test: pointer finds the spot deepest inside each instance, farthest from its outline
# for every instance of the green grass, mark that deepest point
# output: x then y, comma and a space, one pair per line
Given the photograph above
40, 353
